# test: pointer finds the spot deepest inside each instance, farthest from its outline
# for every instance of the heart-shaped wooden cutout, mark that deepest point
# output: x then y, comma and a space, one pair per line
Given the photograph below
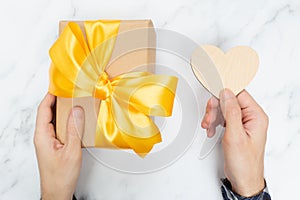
217, 70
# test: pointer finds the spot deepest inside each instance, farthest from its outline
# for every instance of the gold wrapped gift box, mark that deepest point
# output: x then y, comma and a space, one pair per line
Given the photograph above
127, 56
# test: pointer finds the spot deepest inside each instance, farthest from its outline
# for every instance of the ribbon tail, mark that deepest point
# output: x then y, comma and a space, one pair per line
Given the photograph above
107, 133
110, 135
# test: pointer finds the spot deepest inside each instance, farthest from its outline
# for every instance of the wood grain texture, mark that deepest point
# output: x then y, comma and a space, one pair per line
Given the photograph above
217, 70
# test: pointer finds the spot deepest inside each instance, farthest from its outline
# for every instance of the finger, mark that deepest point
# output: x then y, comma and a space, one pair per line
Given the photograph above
204, 123
211, 113
231, 111
213, 117
75, 128
251, 110
246, 100
44, 116
217, 119
211, 131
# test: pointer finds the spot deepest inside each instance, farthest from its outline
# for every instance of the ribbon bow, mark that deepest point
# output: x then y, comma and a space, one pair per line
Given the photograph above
127, 101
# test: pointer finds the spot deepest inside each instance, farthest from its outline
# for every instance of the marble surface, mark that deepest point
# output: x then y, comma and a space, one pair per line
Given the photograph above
270, 27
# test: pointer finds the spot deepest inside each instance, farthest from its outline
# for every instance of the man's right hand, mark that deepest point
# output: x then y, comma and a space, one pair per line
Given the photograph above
244, 139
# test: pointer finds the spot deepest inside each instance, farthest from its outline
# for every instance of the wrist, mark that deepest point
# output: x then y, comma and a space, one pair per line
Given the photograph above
56, 195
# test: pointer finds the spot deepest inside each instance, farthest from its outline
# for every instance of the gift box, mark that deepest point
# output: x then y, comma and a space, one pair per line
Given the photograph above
110, 62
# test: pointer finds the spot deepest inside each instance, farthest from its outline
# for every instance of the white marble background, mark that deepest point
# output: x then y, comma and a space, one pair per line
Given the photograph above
272, 27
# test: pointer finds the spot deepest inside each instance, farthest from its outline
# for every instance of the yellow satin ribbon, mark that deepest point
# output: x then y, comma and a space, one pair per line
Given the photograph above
127, 101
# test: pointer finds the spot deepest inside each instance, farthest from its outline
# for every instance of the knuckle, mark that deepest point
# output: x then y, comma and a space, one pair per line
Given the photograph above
263, 117
229, 142
210, 103
204, 124
72, 154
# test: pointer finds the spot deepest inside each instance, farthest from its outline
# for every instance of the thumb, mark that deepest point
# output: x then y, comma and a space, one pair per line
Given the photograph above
75, 128
231, 111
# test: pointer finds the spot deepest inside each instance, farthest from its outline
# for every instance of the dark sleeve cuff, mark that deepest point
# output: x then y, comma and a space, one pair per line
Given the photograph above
74, 198
228, 194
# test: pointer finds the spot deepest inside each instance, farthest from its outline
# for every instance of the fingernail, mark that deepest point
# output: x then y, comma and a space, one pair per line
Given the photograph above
78, 112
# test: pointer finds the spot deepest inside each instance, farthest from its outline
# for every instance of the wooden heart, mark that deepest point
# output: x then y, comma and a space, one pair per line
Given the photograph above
217, 70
